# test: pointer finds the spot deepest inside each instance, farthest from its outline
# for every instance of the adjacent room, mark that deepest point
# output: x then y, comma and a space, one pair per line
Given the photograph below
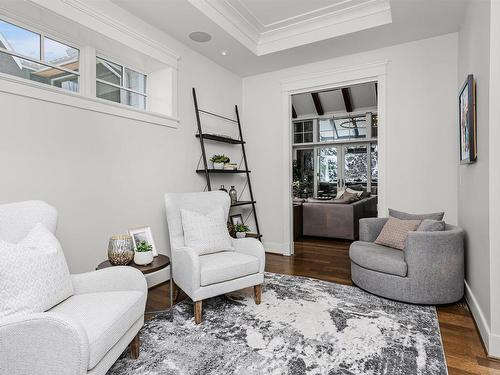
249, 187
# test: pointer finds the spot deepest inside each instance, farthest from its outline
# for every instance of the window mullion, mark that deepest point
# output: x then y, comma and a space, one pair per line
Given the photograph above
87, 71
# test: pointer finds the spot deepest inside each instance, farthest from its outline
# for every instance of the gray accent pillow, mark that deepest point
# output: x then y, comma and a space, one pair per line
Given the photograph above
428, 225
406, 216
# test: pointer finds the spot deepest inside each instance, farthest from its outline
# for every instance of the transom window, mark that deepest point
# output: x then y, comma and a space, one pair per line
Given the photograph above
36, 57
303, 131
120, 84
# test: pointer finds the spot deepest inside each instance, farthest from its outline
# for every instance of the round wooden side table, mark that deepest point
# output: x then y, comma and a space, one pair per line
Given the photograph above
159, 262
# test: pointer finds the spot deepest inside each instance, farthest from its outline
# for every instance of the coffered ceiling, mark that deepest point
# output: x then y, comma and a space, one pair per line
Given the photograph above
270, 26
244, 32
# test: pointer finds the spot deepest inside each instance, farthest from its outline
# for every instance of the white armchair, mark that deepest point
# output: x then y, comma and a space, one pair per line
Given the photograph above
205, 276
84, 334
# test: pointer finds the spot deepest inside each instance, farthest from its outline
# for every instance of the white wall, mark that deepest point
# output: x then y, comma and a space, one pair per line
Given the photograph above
473, 188
106, 174
421, 130
494, 135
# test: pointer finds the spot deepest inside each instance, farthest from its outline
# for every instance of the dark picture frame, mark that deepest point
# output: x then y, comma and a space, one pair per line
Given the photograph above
467, 121
236, 219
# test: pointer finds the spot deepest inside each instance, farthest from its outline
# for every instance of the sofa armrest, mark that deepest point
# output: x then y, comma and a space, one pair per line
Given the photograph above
186, 269
112, 279
439, 253
253, 247
44, 343
370, 228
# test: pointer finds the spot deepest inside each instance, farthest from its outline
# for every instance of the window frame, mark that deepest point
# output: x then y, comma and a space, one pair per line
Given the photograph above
112, 60
42, 35
85, 98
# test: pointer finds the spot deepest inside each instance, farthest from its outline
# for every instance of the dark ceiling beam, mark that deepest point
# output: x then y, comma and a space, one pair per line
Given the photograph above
294, 114
317, 103
376, 90
346, 95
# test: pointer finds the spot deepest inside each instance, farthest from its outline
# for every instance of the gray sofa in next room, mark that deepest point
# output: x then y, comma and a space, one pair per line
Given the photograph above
430, 269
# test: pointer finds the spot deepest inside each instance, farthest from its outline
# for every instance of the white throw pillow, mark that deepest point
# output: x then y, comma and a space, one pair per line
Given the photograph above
34, 276
340, 192
206, 234
357, 192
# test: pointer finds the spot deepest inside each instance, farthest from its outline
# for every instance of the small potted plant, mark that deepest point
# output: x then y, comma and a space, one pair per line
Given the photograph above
241, 230
143, 253
219, 160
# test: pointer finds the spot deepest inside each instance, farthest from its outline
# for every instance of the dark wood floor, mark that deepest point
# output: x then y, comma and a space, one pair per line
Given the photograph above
329, 260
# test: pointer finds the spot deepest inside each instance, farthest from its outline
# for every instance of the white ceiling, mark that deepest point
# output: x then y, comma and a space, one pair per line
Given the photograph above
411, 20
363, 97
269, 26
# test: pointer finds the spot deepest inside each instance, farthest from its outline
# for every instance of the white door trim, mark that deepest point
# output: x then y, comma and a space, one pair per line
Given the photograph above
375, 71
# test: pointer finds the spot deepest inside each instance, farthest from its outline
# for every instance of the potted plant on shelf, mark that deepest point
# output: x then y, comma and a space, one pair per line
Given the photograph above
241, 230
218, 161
143, 253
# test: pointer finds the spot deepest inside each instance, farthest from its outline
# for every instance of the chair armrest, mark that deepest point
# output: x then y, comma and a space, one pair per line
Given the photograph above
370, 228
186, 269
439, 252
44, 343
253, 247
112, 279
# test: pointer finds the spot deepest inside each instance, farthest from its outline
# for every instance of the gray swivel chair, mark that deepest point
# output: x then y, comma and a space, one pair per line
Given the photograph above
430, 270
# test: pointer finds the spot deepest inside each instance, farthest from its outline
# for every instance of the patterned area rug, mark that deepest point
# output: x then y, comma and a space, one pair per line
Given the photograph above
303, 326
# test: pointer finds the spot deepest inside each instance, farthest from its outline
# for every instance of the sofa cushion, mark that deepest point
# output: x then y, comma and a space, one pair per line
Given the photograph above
105, 317
225, 266
206, 234
34, 275
428, 225
406, 216
395, 232
378, 258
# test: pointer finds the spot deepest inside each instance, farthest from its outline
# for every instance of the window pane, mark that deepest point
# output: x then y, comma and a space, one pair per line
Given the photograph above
308, 137
297, 138
355, 165
108, 71
297, 126
135, 81
303, 174
327, 171
60, 54
308, 126
374, 126
37, 72
374, 164
118, 95
326, 130
19, 40
351, 127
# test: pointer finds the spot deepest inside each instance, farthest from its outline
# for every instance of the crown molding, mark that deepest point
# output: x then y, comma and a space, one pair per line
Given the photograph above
101, 22
308, 27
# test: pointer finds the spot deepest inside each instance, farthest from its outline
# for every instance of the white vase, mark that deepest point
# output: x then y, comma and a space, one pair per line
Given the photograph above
142, 258
218, 165
241, 234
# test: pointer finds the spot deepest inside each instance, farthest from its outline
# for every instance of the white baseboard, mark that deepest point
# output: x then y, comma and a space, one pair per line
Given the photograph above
482, 324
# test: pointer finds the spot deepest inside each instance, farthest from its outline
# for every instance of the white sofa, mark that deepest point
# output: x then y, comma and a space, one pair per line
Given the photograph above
210, 275
84, 334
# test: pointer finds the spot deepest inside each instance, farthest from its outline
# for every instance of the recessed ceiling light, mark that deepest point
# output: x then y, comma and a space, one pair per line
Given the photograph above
224, 53
200, 36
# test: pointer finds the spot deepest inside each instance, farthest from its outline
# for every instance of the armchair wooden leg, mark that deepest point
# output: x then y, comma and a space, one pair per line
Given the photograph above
134, 347
257, 290
197, 311
177, 292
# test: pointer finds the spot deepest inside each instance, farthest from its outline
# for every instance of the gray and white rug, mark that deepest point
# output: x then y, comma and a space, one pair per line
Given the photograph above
303, 326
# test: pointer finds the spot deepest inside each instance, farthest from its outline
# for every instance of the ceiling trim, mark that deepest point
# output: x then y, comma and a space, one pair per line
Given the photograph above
305, 28
97, 20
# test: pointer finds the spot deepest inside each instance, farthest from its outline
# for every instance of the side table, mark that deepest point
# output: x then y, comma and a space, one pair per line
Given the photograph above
159, 262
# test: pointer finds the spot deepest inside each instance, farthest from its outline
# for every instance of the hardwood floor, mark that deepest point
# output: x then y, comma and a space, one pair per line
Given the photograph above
329, 260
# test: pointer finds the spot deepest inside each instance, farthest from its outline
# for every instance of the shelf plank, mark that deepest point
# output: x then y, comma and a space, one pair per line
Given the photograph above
222, 171
254, 235
242, 203
220, 138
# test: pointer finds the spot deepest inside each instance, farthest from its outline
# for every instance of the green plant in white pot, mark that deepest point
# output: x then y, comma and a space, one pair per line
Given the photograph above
143, 253
241, 230
218, 161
